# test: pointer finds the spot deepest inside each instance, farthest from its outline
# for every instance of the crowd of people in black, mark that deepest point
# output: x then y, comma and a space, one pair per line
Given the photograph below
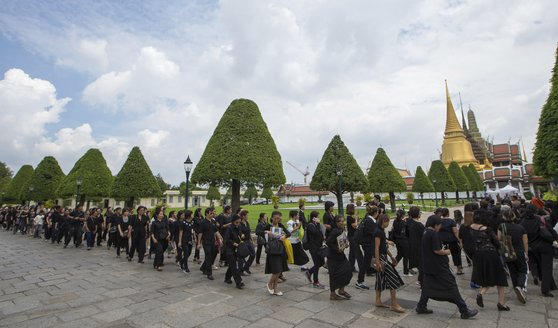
509, 238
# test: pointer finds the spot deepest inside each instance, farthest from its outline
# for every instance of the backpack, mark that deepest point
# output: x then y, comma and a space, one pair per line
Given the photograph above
506, 245
359, 232
305, 243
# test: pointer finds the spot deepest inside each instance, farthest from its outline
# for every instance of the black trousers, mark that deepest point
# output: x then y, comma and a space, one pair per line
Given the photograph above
209, 257
402, 246
318, 262
159, 247
78, 234
54, 235
518, 271
232, 269
138, 243
546, 255
355, 253
62, 232
243, 264
99, 235
121, 242
259, 253
183, 253
455, 252
112, 236
457, 300
364, 266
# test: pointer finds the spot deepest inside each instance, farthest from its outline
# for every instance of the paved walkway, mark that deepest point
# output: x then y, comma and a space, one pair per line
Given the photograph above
43, 285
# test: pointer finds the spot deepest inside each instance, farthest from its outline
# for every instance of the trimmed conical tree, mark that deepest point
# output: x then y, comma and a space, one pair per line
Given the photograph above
441, 179
384, 177
545, 157
251, 193
267, 193
480, 182
95, 175
459, 179
5, 176
213, 194
338, 172
241, 135
422, 183
472, 179
135, 179
46, 180
18, 188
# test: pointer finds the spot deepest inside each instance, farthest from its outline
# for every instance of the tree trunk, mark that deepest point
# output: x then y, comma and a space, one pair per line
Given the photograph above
352, 197
468, 196
422, 198
456, 197
443, 198
392, 200
235, 199
340, 203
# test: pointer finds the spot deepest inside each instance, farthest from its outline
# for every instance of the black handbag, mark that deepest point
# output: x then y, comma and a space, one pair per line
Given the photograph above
242, 250
323, 251
274, 247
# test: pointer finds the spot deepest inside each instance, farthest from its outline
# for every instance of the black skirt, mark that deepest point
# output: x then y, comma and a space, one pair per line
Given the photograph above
300, 257
388, 278
488, 269
340, 271
275, 264
441, 286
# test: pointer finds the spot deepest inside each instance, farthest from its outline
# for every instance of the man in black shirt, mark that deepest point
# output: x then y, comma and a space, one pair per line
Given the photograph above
138, 230
185, 239
55, 220
301, 215
207, 237
77, 217
378, 202
223, 222
63, 226
438, 282
328, 220
368, 228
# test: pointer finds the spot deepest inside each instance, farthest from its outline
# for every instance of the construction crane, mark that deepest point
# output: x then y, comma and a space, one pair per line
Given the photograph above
305, 174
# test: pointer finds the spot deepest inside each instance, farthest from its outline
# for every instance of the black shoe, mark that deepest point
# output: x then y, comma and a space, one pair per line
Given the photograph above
424, 311
65, 246
243, 274
228, 281
548, 294
210, 277
240, 286
480, 302
469, 314
129, 258
140, 262
248, 272
536, 281
503, 307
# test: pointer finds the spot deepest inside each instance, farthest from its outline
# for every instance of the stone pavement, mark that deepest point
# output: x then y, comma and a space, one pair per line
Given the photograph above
44, 285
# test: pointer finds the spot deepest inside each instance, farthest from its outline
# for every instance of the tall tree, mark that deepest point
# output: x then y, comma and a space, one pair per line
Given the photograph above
422, 183
213, 194
18, 188
441, 179
267, 193
251, 193
472, 179
384, 177
96, 178
135, 179
5, 176
162, 184
459, 179
243, 135
46, 180
545, 157
480, 182
338, 172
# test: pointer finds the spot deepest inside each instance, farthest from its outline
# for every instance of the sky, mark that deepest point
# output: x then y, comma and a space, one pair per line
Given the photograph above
160, 74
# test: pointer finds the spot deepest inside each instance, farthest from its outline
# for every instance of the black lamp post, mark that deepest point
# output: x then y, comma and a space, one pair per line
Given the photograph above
187, 168
435, 193
340, 190
79, 181
31, 189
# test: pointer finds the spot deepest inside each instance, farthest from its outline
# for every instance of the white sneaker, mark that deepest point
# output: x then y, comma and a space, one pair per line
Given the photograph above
215, 267
409, 275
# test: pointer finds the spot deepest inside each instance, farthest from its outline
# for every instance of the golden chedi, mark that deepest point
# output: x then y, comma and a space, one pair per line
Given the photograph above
456, 147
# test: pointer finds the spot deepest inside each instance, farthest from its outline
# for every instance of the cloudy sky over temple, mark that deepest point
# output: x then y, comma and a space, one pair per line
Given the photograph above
159, 74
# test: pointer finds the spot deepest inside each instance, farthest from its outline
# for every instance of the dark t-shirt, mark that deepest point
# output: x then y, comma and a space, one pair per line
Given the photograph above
77, 215
160, 229
432, 262
380, 233
446, 231
328, 219
91, 223
123, 222
186, 228
350, 229
222, 219
516, 231
208, 229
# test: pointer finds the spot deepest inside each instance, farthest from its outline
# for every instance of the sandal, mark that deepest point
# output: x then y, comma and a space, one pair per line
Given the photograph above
335, 297
380, 305
398, 309
345, 294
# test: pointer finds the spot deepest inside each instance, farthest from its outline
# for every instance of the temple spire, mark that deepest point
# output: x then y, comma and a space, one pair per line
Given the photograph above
462, 114
452, 124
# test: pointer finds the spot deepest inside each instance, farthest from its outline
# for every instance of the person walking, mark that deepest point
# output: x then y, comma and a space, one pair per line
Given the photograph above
438, 282
365, 236
355, 253
234, 238
262, 224
160, 236
415, 230
449, 235
91, 228
208, 237
399, 237
185, 241
294, 226
123, 232
276, 257
139, 224
339, 268
243, 264
517, 267
315, 241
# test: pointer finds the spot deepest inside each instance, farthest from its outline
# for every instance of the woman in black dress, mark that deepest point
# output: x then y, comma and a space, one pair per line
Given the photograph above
518, 267
399, 237
275, 264
122, 225
340, 270
386, 275
262, 223
415, 229
160, 236
198, 217
450, 239
488, 270
315, 241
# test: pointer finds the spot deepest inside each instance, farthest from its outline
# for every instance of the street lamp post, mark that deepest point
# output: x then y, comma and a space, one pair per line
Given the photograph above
79, 181
435, 193
187, 168
340, 190
29, 195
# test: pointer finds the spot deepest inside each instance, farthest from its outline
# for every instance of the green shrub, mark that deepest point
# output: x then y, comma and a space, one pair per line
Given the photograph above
410, 197
275, 201
528, 195
358, 200
551, 195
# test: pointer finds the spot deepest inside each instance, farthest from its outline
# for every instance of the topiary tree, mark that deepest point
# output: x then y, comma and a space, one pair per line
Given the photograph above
251, 193
441, 179
213, 194
46, 180
422, 183
338, 172
480, 182
243, 135
384, 177
459, 179
163, 185
18, 188
135, 179
545, 157
267, 193
95, 175
5, 176
472, 179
